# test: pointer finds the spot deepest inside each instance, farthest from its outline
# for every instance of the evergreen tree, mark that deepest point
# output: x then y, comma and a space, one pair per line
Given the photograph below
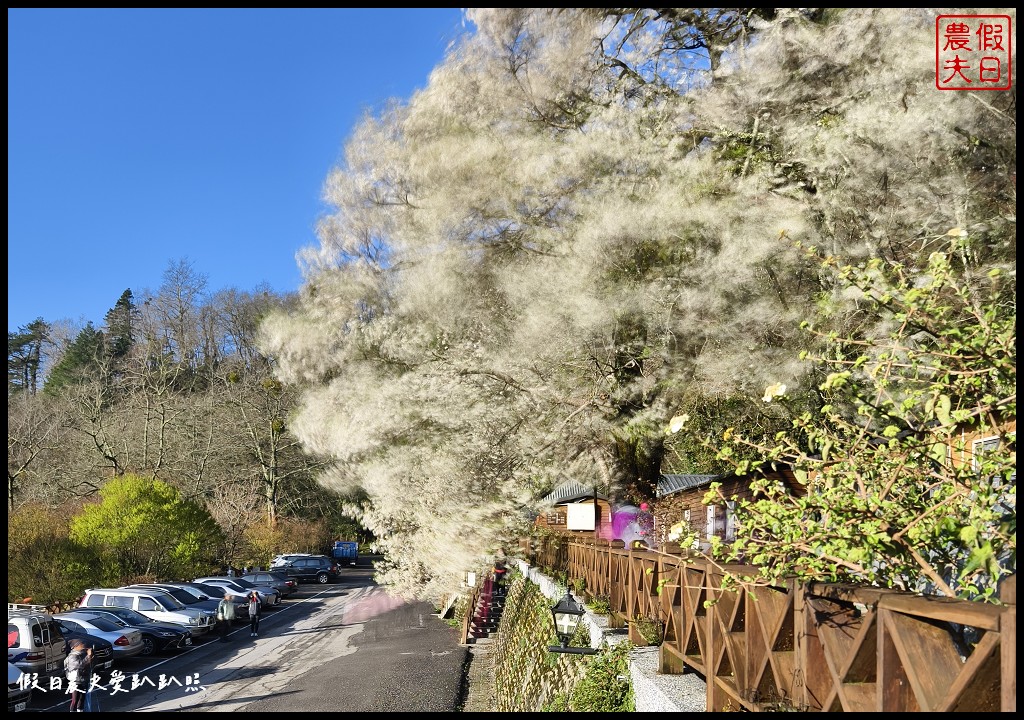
143, 527
120, 325
24, 356
83, 360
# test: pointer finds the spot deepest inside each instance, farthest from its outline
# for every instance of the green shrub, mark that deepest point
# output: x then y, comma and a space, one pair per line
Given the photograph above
606, 686
559, 703
44, 565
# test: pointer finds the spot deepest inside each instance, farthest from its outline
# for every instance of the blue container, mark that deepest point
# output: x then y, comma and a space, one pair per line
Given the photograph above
346, 551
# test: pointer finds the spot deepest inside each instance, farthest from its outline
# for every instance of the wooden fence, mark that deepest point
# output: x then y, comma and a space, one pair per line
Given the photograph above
813, 647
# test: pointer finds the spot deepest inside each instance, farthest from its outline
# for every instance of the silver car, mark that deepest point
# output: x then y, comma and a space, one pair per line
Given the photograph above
127, 641
213, 593
242, 588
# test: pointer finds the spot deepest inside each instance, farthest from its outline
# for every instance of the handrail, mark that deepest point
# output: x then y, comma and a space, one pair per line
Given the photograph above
811, 646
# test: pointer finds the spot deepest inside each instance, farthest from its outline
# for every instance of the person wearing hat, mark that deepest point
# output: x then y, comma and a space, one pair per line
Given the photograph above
78, 670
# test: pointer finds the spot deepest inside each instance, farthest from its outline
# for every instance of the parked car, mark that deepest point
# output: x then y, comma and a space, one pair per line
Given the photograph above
241, 588
282, 583
274, 595
19, 693
280, 561
157, 637
311, 568
102, 649
34, 640
154, 604
183, 596
216, 593
126, 641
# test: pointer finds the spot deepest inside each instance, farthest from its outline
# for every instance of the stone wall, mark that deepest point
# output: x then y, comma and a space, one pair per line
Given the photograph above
528, 678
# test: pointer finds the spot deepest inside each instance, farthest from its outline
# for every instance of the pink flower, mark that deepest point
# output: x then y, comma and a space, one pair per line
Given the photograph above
643, 506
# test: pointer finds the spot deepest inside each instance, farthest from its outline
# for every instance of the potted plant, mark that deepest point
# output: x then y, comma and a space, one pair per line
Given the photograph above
652, 630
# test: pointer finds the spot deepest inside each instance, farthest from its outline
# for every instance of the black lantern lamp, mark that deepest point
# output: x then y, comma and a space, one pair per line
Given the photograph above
568, 613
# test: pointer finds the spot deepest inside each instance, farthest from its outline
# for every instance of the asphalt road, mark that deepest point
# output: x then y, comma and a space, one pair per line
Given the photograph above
345, 646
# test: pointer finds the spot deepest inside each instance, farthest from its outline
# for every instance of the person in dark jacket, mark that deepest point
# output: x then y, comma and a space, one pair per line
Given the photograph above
255, 607
499, 573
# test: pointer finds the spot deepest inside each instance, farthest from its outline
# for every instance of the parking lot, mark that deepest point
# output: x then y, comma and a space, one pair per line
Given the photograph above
308, 653
131, 678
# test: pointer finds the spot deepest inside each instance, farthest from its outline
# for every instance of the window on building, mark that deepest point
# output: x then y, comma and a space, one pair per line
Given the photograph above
730, 520
979, 448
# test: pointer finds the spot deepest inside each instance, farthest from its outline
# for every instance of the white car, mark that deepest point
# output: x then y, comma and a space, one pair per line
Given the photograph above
154, 604
34, 640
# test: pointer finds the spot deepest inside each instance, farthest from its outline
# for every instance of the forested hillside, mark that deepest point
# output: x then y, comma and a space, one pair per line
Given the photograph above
170, 393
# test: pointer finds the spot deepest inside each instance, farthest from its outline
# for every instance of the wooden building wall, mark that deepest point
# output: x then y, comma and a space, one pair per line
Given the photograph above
555, 517
687, 507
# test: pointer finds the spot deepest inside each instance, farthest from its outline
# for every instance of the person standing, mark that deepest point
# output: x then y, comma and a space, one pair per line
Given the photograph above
226, 615
255, 608
499, 573
78, 670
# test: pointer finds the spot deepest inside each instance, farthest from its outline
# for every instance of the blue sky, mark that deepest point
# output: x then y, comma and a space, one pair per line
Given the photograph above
137, 138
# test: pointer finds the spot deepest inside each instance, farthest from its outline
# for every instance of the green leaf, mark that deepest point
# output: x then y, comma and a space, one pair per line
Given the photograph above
826, 447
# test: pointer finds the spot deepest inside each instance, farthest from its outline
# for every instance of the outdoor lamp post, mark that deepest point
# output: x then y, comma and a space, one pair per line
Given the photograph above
568, 613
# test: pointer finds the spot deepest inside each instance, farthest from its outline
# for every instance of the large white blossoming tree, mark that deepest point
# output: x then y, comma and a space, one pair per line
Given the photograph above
583, 226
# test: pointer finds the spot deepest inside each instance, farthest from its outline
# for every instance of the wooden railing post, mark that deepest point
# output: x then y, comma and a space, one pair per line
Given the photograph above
801, 695
711, 696
467, 617
1008, 644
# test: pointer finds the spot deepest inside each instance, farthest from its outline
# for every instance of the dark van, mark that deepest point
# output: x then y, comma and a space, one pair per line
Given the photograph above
310, 568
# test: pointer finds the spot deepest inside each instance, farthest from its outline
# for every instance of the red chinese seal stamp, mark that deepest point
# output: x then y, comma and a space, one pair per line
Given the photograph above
972, 52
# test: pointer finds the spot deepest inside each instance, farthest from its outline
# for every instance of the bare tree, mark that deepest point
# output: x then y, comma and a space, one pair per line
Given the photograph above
177, 304
32, 434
